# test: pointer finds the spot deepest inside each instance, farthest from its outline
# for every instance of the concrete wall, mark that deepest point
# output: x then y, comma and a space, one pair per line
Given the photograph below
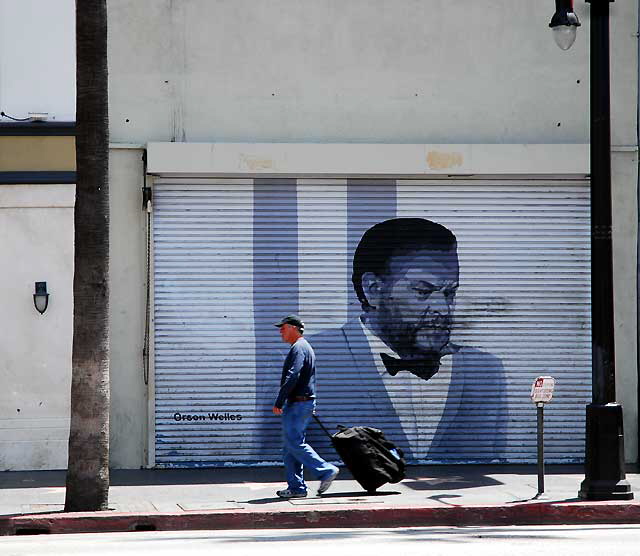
37, 58
37, 74
370, 71
127, 277
36, 227
624, 166
410, 71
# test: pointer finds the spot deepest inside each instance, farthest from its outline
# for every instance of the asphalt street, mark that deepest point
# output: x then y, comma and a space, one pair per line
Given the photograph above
433, 541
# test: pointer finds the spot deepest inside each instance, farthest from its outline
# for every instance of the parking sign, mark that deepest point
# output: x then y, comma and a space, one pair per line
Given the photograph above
542, 389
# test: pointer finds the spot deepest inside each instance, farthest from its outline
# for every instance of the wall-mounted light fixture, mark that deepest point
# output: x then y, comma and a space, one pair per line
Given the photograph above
41, 297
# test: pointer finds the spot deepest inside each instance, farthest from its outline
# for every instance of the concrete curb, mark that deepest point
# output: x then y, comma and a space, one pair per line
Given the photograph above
545, 513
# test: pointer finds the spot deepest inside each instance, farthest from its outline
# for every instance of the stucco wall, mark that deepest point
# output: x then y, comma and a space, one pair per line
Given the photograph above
36, 227
410, 71
624, 166
127, 303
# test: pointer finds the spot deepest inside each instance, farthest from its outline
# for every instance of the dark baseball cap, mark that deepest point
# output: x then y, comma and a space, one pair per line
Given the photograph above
295, 320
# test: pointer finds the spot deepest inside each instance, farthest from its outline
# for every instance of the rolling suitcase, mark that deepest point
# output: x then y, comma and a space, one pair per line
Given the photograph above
372, 459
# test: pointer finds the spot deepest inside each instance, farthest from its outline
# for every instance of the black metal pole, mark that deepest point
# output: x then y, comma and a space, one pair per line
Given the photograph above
540, 415
604, 461
601, 249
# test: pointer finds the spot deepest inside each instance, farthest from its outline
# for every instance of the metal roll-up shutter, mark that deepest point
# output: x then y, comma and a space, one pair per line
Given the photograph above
233, 256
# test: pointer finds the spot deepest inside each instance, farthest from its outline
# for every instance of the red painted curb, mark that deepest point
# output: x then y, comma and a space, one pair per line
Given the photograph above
565, 513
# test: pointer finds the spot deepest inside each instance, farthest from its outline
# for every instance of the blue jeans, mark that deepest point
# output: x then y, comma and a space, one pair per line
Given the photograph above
297, 454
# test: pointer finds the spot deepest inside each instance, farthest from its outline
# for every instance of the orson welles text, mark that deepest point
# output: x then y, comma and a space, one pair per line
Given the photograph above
177, 416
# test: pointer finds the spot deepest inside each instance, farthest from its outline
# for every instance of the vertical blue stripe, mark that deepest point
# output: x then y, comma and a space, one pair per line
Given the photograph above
276, 293
368, 203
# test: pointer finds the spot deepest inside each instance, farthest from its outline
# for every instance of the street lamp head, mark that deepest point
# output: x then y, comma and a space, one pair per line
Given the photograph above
564, 24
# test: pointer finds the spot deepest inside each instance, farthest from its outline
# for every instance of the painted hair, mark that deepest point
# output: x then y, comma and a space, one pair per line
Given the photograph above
386, 239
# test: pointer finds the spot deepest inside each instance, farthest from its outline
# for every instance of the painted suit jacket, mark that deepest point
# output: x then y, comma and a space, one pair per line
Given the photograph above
469, 418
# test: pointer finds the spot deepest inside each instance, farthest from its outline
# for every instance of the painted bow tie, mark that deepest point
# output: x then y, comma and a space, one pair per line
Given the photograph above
424, 368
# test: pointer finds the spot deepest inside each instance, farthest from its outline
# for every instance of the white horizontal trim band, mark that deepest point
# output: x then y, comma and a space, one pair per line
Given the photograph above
318, 159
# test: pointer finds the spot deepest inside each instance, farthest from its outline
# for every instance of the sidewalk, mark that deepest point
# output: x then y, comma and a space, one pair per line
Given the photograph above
240, 498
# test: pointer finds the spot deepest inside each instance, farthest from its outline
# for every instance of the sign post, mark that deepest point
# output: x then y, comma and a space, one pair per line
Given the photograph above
541, 393
540, 415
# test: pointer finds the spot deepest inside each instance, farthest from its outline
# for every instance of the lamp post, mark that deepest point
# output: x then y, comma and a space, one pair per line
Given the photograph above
604, 458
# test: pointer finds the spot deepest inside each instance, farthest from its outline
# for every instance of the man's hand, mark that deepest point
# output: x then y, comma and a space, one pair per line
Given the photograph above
277, 410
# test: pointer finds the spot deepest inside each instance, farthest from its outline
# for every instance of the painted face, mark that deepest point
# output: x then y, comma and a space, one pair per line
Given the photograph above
414, 301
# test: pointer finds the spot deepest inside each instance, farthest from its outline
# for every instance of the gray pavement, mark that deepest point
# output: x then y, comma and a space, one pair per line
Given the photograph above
568, 540
180, 490
246, 492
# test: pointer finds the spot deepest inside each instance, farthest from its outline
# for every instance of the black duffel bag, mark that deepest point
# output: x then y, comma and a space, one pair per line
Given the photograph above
372, 459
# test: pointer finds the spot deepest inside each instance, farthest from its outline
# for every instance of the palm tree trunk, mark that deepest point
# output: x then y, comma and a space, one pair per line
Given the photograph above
88, 468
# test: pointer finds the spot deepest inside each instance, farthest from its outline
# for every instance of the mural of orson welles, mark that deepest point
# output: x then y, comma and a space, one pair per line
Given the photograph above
396, 367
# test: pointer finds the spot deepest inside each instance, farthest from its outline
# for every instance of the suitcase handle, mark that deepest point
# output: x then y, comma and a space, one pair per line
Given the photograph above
321, 425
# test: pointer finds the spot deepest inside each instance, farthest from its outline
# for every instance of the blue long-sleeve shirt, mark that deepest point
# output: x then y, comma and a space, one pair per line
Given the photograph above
298, 373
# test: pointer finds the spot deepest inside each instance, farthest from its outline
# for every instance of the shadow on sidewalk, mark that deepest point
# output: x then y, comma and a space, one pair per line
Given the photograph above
450, 477
469, 476
420, 477
148, 477
335, 497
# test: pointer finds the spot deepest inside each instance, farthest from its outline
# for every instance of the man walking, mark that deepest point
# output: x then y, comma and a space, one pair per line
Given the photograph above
296, 402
